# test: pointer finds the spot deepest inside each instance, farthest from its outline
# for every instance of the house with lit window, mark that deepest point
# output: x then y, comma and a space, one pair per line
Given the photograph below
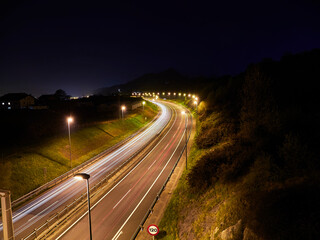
16, 101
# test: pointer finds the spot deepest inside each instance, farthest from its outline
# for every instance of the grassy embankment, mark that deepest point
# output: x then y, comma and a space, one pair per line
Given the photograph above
32, 166
254, 166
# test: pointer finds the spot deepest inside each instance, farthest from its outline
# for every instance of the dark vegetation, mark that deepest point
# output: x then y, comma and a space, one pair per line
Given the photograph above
261, 129
169, 80
26, 126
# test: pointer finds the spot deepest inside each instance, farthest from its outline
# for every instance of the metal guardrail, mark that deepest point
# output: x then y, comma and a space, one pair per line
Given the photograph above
150, 210
59, 217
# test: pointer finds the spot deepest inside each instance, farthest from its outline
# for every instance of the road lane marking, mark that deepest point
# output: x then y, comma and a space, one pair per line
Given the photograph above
121, 199
151, 165
118, 235
166, 147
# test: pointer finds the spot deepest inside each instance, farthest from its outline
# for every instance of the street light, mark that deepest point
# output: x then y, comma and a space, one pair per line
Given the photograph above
143, 103
196, 103
69, 121
186, 119
82, 176
123, 108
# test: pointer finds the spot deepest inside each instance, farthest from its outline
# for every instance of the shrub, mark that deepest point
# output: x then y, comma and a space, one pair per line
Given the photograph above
214, 130
204, 173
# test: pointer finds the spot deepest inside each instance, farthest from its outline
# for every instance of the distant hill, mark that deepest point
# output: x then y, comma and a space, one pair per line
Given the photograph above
169, 80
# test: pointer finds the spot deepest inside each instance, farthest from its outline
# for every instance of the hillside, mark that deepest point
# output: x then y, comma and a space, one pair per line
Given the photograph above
255, 169
169, 80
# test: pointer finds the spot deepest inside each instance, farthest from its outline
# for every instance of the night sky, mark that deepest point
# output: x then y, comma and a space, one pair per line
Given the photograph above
81, 46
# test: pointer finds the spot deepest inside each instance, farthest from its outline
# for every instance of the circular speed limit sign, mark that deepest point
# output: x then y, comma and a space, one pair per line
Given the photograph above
153, 230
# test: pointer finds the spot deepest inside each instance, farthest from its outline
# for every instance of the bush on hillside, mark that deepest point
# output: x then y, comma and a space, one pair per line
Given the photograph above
214, 130
226, 163
204, 174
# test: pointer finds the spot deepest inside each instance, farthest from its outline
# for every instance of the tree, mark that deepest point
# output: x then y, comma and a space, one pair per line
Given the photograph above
61, 94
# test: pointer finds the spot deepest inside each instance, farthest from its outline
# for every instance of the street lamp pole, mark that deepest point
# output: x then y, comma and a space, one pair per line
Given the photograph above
122, 109
86, 177
196, 103
70, 120
143, 103
186, 132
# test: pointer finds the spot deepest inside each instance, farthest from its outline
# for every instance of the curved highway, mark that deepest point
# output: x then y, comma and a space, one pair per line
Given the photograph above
124, 204
119, 212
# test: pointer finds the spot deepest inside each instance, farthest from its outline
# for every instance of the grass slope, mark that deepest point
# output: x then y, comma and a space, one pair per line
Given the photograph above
32, 166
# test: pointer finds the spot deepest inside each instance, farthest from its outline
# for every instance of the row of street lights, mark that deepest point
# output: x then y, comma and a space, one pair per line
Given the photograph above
164, 94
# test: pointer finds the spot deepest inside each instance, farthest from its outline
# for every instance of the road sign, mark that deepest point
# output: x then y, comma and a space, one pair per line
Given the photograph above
153, 230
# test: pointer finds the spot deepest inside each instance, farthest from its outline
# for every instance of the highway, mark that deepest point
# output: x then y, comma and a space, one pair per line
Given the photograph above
119, 212
123, 207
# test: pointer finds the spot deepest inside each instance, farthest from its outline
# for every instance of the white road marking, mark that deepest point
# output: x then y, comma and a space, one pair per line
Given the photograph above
118, 235
121, 199
166, 147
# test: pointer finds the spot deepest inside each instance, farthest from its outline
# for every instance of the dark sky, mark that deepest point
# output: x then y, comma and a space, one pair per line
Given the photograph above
80, 46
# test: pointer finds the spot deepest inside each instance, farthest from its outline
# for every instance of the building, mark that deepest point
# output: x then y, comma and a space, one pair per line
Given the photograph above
16, 101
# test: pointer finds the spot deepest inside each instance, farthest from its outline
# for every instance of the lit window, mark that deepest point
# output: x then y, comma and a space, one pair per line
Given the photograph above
9, 107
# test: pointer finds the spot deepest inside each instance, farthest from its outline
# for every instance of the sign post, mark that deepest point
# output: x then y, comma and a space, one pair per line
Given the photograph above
6, 215
153, 230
